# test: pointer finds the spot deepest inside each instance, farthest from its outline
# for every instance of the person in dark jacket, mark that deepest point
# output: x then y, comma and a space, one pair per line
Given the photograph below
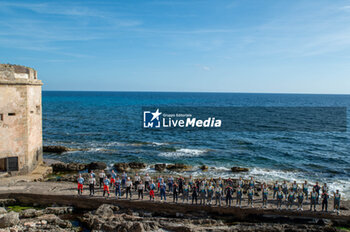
194, 193
228, 195
325, 198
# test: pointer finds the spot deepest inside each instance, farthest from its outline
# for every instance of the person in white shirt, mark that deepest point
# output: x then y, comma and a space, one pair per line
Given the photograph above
147, 180
102, 176
128, 185
137, 180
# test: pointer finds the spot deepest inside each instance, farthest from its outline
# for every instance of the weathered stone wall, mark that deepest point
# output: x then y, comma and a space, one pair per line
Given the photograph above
13, 127
20, 116
11, 72
34, 125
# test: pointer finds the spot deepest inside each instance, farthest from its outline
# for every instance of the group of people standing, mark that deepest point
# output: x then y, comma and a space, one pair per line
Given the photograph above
211, 191
295, 192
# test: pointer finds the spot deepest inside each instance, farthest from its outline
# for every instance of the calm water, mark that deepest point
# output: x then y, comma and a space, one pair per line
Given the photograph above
107, 125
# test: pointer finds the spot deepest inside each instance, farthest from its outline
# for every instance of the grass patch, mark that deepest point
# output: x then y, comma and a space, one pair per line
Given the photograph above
58, 175
18, 208
345, 229
55, 175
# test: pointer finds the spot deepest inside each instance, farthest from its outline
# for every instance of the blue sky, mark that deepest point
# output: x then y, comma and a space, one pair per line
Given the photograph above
276, 46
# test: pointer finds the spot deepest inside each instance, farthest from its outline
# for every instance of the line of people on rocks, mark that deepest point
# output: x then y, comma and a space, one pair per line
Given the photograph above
211, 191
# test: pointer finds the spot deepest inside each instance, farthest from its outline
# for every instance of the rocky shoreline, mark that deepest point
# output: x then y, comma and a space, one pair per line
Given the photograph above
120, 167
52, 204
114, 216
33, 219
129, 167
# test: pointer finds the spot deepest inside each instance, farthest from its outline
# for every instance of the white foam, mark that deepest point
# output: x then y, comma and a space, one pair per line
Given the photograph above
183, 152
115, 143
96, 149
159, 144
222, 169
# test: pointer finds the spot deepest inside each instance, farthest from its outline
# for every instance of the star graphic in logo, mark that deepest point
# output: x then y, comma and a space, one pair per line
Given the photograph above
156, 115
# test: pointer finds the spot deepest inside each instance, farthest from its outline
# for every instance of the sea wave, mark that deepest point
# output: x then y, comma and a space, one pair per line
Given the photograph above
137, 143
100, 149
159, 144
184, 152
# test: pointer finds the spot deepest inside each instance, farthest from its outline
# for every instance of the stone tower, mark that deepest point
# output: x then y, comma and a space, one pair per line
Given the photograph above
20, 119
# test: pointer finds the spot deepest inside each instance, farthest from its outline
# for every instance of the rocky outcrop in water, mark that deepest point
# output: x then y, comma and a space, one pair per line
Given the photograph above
239, 169
160, 167
75, 167
178, 167
137, 165
124, 167
70, 167
97, 166
57, 149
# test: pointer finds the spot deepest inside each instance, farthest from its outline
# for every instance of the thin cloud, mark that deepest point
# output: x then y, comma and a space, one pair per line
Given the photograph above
54, 9
53, 23
346, 8
203, 67
184, 32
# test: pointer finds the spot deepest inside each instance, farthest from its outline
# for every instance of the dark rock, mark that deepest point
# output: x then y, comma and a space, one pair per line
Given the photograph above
160, 167
179, 167
121, 167
122, 228
6, 201
137, 165
56, 149
53, 219
59, 167
76, 167
330, 229
2, 210
30, 213
137, 227
58, 210
204, 168
97, 166
239, 169
106, 210
70, 167
9, 219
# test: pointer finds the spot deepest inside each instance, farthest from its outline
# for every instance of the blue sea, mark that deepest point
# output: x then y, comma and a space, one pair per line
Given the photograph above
107, 125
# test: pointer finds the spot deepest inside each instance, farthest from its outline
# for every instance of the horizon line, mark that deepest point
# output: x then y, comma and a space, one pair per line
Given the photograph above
150, 91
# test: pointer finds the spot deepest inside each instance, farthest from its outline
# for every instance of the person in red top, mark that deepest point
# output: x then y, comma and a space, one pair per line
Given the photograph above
106, 183
113, 178
152, 187
80, 184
